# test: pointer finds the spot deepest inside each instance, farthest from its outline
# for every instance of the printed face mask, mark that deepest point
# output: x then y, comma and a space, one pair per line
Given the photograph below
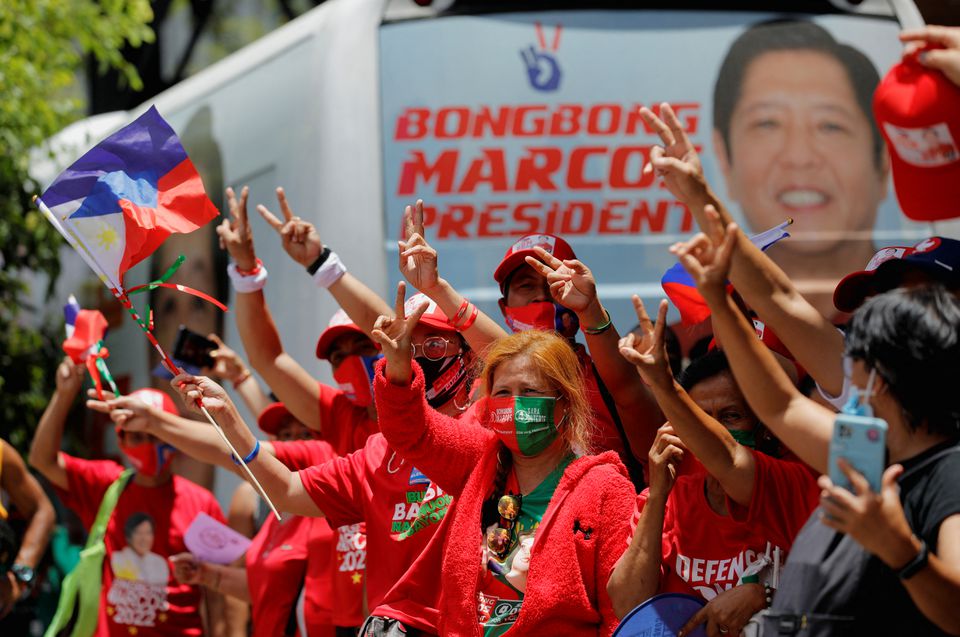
859, 402
149, 458
354, 377
525, 425
541, 315
443, 378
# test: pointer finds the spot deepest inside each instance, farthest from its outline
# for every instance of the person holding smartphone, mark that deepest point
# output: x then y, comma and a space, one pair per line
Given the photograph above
867, 563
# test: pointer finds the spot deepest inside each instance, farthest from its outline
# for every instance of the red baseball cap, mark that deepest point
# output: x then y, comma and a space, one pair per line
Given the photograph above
517, 253
918, 112
434, 316
272, 417
156, 399
339, 325
856, 286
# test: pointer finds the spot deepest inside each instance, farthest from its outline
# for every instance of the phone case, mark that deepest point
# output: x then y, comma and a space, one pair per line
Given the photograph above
862, 441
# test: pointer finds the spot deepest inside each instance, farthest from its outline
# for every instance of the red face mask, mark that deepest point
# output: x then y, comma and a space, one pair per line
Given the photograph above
354, 376
545, 316
149, 458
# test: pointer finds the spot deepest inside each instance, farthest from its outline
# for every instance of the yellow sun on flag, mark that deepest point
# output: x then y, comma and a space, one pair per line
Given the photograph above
107, 237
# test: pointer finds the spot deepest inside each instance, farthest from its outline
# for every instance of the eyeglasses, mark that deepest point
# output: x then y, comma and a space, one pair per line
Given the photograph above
433, 348
503, 538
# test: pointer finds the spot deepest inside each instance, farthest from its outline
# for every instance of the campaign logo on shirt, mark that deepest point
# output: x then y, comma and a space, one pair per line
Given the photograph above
418, 477
421, 510
712, 577
352, 551
138, 594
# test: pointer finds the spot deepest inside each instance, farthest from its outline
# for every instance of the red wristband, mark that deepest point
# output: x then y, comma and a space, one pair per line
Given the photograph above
459, 315
252, 272
470, 321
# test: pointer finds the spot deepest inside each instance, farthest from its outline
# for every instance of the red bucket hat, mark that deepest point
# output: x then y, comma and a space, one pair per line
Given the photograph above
156, 399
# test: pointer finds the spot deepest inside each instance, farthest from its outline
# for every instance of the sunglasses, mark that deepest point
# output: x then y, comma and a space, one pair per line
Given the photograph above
503, 538
433, 348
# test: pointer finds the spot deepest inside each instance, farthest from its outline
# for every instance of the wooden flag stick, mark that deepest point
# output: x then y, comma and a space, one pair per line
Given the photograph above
236, 455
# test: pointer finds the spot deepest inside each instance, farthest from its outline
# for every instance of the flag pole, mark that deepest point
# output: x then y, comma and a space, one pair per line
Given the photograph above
120, 294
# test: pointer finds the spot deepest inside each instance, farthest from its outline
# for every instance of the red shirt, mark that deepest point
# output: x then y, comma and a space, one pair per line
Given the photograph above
344, 425
705, 553
402, 509
139, 594
276, 566
606, 435
337, 560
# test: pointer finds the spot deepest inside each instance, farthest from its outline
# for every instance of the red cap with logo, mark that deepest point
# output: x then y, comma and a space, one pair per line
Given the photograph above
339, 325
156, 399
918, 112
516, 254
434, 316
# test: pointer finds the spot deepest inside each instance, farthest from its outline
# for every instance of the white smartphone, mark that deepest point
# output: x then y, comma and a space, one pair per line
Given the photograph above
862, 442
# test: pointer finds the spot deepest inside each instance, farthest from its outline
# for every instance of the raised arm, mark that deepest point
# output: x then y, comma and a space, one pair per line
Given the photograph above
419, 266
301, 241
45, 446
730, 463
573, 286
811, 338
636, 577
803, 425
30, 500
293, 384
282, 485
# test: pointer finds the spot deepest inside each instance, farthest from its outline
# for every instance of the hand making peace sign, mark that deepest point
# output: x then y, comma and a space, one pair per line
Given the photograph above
394, 335
299, 238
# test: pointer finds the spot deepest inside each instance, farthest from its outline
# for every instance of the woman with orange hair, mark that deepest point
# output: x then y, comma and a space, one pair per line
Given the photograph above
537, 524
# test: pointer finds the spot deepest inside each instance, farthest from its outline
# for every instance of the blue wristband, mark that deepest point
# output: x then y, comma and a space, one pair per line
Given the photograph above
250, 456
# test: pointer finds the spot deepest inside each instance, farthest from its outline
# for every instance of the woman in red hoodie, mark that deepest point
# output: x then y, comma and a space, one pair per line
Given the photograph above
536, 525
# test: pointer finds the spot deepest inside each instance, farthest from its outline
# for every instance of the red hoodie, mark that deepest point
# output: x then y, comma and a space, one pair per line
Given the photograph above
579, 540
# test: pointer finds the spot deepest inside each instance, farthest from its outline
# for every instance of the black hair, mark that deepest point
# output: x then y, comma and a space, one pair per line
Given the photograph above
135, 520
911, 336
792, 35
711, 364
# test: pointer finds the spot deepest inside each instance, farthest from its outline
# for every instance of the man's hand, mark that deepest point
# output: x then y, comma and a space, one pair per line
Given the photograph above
648, 351
944, 57
132, 414
69, 377
571, 282
196, 390
187, 569
677, 161
666, 454
10, 591
394, 335
418, 261
235, 234
227, 364
299, 238
726, 614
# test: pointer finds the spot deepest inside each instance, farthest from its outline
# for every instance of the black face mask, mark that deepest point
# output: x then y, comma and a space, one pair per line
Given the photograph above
443, 378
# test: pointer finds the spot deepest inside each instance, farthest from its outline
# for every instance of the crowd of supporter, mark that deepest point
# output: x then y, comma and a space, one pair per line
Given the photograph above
463, 479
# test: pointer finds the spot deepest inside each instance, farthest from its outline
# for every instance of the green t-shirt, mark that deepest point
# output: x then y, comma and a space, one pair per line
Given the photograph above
500, 595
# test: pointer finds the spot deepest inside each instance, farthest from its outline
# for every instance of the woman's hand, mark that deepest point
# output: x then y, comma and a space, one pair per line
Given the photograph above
676, 162
132, 414
235, 234
299, 238
197, 390
666, 454
418, 261
187, 569
648, 351
944, 52
571, 282
726, 614
69, 377
394, 335
708, 263
875, 520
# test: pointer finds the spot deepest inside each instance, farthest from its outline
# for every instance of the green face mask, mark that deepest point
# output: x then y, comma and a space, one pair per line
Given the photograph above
526, 425
745, 438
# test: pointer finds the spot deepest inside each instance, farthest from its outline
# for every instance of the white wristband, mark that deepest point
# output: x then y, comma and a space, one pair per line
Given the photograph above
330, 272
246, 284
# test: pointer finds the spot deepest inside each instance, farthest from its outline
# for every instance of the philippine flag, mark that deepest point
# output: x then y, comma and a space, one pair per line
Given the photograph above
682, 291
126, 195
